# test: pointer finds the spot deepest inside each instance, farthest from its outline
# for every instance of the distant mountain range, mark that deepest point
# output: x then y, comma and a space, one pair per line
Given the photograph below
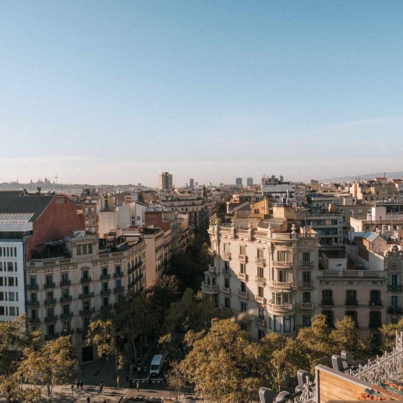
389, 175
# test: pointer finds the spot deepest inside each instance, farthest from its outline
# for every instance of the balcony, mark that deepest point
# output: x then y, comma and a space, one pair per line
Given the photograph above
118, 290
226, 256
118, 275
49, 285
66, 315
104, 276
87, 311
280, 308
226, 309
51, 318
209, 288
65, 283
106, 292
395, 310
243, 258
327, 302
286, 265
85, 280
242, 294
394, 287
375, 303
212, 269
351, 302
67, 332
51, 336
260, 261
306, 306
226, 272
243, 276
280, 285
261, 300
374, 325
82, 330
33, 303
306, 264
306, 285
109, 306
35, 320
260, 322
87, 295
32, 286
260, 280
51, 301
226, 290
66, 299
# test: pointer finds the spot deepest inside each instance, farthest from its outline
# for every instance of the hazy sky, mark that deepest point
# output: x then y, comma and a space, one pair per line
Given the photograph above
119, 91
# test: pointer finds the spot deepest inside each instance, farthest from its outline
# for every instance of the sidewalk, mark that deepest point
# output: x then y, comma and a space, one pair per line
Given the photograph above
63, 394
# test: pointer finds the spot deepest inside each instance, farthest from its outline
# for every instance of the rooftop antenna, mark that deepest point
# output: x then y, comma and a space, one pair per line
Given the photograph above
56, 178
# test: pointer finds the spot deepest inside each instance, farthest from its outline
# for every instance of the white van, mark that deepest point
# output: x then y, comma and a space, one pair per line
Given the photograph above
156, 364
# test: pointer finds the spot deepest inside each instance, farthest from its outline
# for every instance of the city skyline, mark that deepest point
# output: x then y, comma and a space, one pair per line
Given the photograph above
117, 93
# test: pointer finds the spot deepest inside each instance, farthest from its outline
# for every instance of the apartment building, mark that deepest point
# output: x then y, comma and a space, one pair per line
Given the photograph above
394, 270
192, 204
27, 223
263, 273
165, 181
379, 189
155, 254
349, 289
65, 290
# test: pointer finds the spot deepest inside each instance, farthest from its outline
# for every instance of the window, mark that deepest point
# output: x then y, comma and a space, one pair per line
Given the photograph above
306, 276
243, 326
287, 324
66, 326
32, 281
261, 313
260, 334
243, 307
327, 297
10, 266
226, 247
117, 269
84, 249
306, 257
11, 296
49, 280
49, 295
282, 276
281, 256
260, 253
49, 312
329, 317
376, 339
86, 305
226, 265
260, 272
1, 281
105, 301
226, 282
227, 303
374, 296
51, 330
306, 297
11, 281
277, 323
66, 309
306, 320
104, 271
351, 297
118, 284
12, 311
34, 314
1, 296
243, 287
65, 293
65, 278
85, 274
2, 311
242, 250
353, 316
260, 292
86, 289
270, 322
105, 286
242, 268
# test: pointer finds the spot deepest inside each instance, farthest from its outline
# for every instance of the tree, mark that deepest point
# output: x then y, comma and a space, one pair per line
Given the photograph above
53, 364
219, 366
389, 334
191, 313
317, 343
346, 336
103, 334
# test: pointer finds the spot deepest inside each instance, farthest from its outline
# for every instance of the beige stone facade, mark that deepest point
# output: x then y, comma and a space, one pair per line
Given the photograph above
63, 293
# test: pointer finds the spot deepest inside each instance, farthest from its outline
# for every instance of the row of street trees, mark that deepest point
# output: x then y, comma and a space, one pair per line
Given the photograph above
225, 365
26, 359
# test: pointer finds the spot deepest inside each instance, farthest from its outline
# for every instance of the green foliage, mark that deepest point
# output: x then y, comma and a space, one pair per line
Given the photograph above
191, 313
219, 365
53, 364
389, 334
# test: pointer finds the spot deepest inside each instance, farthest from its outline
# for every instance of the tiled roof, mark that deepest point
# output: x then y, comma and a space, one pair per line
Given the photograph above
15, 218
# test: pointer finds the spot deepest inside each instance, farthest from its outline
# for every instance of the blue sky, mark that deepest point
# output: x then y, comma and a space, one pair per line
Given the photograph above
119, 91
